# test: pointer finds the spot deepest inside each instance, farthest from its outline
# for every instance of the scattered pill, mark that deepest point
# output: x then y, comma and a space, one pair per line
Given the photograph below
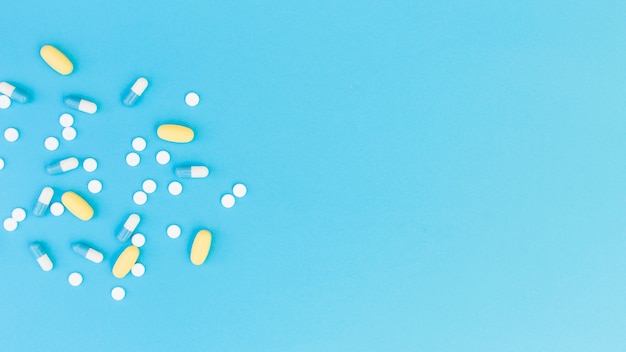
69, 133
18, 214
43, 259
192, 99
5, 102
11, 134
195, 171
149, 186
140, 197
175, 188
240, 190
66, 120
175, 133
138, 240
125, 261
13, 92
173, 231
1, 163
163, 157
138, 270
10, 224
129, 226
56, 59
90, 164
118, 293
43, 201
75, 279
62, 166
228, 201
89, 253
51, 143
80, 104
200, 247
135, 91
139, 144
132, 159
57, 209
94, 186
77, 205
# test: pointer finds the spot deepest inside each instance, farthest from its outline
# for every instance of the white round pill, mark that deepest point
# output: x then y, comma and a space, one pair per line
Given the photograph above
94, 186
138, 240
140, 197
175, 188
149, 186
163, 157
118, 293
132, 159
1, 163
139, 144
228, 201
240, 190
69, 133
173, 231
5, 101
18, 214
192, 98
11, 134
138, 270
10, 224
90, 164
57, 209
51, 143
75, 279
66, 120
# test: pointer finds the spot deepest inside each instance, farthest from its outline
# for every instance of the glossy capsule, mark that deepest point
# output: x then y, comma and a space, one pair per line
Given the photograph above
195, 171
135, 91
87, 252
45, 197
13, 92
62, 166
128, 228
42, 257
80, 104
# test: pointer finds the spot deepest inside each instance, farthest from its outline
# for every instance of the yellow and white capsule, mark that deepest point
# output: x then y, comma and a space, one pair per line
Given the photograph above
56, 59
77, 205
200, 247
175, 133
44, 261
125, 261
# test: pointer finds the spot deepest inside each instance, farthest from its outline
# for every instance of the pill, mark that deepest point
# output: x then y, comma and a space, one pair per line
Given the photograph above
195, 171
18, 214
138, 240
132, 159
139, 144
77, 205
138, 270
175, 188
89, 253
1, 163
240, 190
118, 293
9, 224
140, 198
51, 143
57, 209
149, 186
125, 261
5, 102
90, 164
62, 166
66, 120
13, 92
175, 133
80, 104
228, 201
163, 157
42, 257
129, 226
94, 186
56, 59
173, 231
192, 99
43, 201
69, 133
11, 134
75, 279
135, 91
200, 247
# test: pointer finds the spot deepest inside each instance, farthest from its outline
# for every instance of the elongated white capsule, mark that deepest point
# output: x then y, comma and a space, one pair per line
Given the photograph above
42, 257
196, 171
129, 226
13, 92
87, 252
43, 201
81, 104
135, 91
62, 166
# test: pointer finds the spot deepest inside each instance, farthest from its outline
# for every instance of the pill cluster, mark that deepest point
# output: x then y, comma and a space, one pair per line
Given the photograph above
72, 200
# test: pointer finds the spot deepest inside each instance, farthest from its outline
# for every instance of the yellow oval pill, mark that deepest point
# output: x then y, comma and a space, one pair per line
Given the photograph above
125, 261
77, 206
200, 247
175, 133
56, 59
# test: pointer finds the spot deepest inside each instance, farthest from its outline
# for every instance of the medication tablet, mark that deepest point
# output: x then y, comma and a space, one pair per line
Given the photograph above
62, 166
77, 205
125, 261
11, 91
138, 240
200, 247
66, 120
80, 104
10, 224
195, 171
140, 198
94, 186
57, 209
56, 60
39, 252
139, 144
69, 133
129, 226
90, 164
1, 163
135, 91
43, 201
51, 143
87, 252
163, 157
192, 99
138, 270
149, 186
18, 214
75, 279
118, 293
175, 133
240, 190
5, 102
228, 201
132, 159
11, 134
173, 231
175, 188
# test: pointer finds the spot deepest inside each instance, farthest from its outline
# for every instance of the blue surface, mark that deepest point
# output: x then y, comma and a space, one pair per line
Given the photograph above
432, 176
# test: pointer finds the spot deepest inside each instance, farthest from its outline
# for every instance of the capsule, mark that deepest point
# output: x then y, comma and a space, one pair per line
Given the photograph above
56, 59
45, 197
77, 205
13, 92
196, 171
175, 133
200, 247
125, 261
80, 104
87, 252
129, 226
62, 166
42, 257
135, 91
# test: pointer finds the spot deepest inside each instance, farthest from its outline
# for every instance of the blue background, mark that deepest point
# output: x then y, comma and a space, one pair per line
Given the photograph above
436, 176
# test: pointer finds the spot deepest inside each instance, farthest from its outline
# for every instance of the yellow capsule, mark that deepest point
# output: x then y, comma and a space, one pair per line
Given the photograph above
200, 247
175, 133
125, 261
77, 205
56, 60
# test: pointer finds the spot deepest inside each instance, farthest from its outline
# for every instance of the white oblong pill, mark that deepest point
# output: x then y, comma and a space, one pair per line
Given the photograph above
11, 134
132, 159
163, 157
240, 190
175, 188
140, 198
51, 143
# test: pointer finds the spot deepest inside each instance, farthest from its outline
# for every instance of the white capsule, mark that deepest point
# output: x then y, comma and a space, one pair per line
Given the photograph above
44, 201
196, 171
81, 104
136, 91
42, 257
62, 166
129, 226
14, 93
